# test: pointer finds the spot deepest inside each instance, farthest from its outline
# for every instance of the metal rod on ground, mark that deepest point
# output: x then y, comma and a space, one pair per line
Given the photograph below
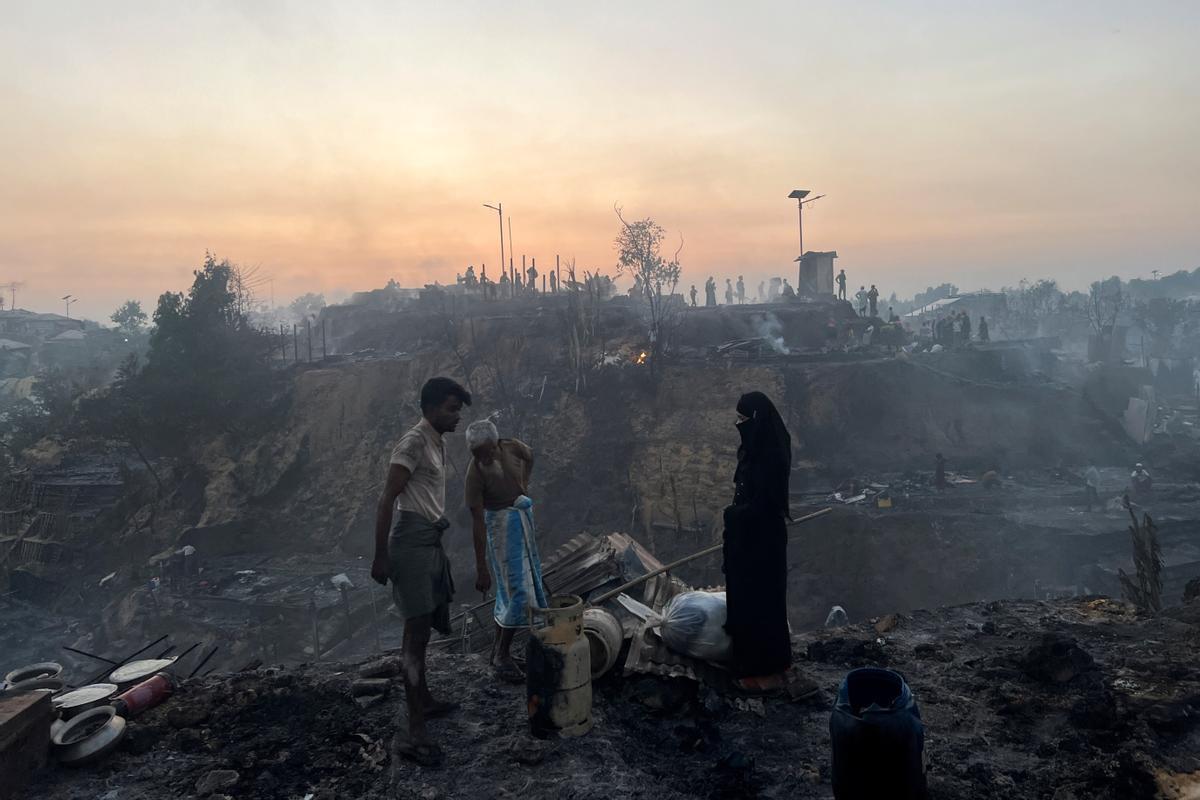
349, 616
129, 658
164, 653
375, 613
204, 661
89, 655
182, 655
712, 549
312, 607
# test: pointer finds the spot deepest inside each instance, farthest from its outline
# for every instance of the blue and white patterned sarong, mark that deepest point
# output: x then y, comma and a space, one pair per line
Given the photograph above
514, 562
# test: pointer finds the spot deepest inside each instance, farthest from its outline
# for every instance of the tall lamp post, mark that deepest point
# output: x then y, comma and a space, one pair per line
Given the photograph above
499, 209
69, 299
798, 195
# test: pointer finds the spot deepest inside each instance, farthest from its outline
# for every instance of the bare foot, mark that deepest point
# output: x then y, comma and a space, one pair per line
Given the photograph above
418, 749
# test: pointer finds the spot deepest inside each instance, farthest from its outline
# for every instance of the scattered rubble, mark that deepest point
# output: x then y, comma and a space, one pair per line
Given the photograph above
1055, 700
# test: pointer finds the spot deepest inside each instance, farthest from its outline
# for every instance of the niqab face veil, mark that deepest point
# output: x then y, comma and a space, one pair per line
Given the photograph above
765, 438
765, 457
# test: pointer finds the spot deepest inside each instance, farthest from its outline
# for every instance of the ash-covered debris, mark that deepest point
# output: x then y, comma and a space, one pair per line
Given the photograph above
1041, 700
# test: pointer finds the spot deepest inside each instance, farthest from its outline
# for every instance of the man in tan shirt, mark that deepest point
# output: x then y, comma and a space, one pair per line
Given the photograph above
497, 488
412, 557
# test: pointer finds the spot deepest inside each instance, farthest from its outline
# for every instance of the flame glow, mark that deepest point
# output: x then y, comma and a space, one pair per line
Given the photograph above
641, 359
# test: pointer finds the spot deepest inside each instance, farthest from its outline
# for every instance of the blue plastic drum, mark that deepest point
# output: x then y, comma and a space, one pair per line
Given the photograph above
878, 738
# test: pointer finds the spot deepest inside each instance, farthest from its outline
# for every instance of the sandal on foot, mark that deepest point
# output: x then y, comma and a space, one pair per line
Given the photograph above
761, 685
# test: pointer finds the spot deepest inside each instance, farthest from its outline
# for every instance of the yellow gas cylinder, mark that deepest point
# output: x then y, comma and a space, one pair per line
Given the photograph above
558, 670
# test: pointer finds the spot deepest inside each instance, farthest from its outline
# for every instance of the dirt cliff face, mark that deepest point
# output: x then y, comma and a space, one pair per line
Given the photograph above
655, 456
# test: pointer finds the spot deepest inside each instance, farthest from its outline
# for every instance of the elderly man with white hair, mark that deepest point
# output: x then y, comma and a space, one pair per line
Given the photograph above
497, 487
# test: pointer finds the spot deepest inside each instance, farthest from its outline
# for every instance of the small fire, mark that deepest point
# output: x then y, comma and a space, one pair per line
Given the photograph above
641, 359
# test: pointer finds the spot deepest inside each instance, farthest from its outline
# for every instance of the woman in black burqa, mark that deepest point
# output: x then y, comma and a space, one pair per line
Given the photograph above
755, 546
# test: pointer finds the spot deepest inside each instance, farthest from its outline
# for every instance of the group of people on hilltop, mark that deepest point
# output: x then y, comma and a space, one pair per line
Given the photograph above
954, 329
410, 521
735, 293
868, 299
520, 282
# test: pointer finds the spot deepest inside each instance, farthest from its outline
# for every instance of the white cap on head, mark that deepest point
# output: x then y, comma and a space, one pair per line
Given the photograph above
481, 432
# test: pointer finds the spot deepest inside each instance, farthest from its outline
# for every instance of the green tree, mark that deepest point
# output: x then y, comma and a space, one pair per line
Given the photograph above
130, 317
1160, 317
46, 412
1029, 306
120, 413
207, 371
307, 305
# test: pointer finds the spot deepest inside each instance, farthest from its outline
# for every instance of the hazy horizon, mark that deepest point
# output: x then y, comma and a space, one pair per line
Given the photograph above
338, 147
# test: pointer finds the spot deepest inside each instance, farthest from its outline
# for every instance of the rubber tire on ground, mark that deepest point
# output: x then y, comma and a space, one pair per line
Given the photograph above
45, 669
53, 684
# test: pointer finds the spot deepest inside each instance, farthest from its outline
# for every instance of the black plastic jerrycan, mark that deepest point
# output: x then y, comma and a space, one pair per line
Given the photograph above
878, 738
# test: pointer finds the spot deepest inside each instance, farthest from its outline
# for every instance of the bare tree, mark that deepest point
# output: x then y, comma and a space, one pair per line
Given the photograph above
638, 253
1105, 303
1029, 306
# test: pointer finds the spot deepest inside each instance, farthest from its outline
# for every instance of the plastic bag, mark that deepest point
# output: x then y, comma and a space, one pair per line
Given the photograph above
693, 623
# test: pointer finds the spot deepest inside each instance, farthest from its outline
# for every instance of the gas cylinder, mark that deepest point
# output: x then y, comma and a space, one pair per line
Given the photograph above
558, 670
145, 695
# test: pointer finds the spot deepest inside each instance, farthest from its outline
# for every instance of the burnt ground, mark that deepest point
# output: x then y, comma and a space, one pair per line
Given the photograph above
1074, 698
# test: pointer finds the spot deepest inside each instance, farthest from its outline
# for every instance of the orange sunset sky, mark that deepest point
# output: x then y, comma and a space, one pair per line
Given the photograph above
336, 146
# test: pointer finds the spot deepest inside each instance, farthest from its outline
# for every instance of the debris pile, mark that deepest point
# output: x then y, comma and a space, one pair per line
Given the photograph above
1024, 699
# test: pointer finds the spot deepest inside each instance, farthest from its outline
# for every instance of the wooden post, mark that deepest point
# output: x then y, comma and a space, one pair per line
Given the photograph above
295, 343
557, 274
308, 334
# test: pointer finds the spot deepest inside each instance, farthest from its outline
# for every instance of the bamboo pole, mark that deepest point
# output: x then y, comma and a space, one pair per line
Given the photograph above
711, 549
